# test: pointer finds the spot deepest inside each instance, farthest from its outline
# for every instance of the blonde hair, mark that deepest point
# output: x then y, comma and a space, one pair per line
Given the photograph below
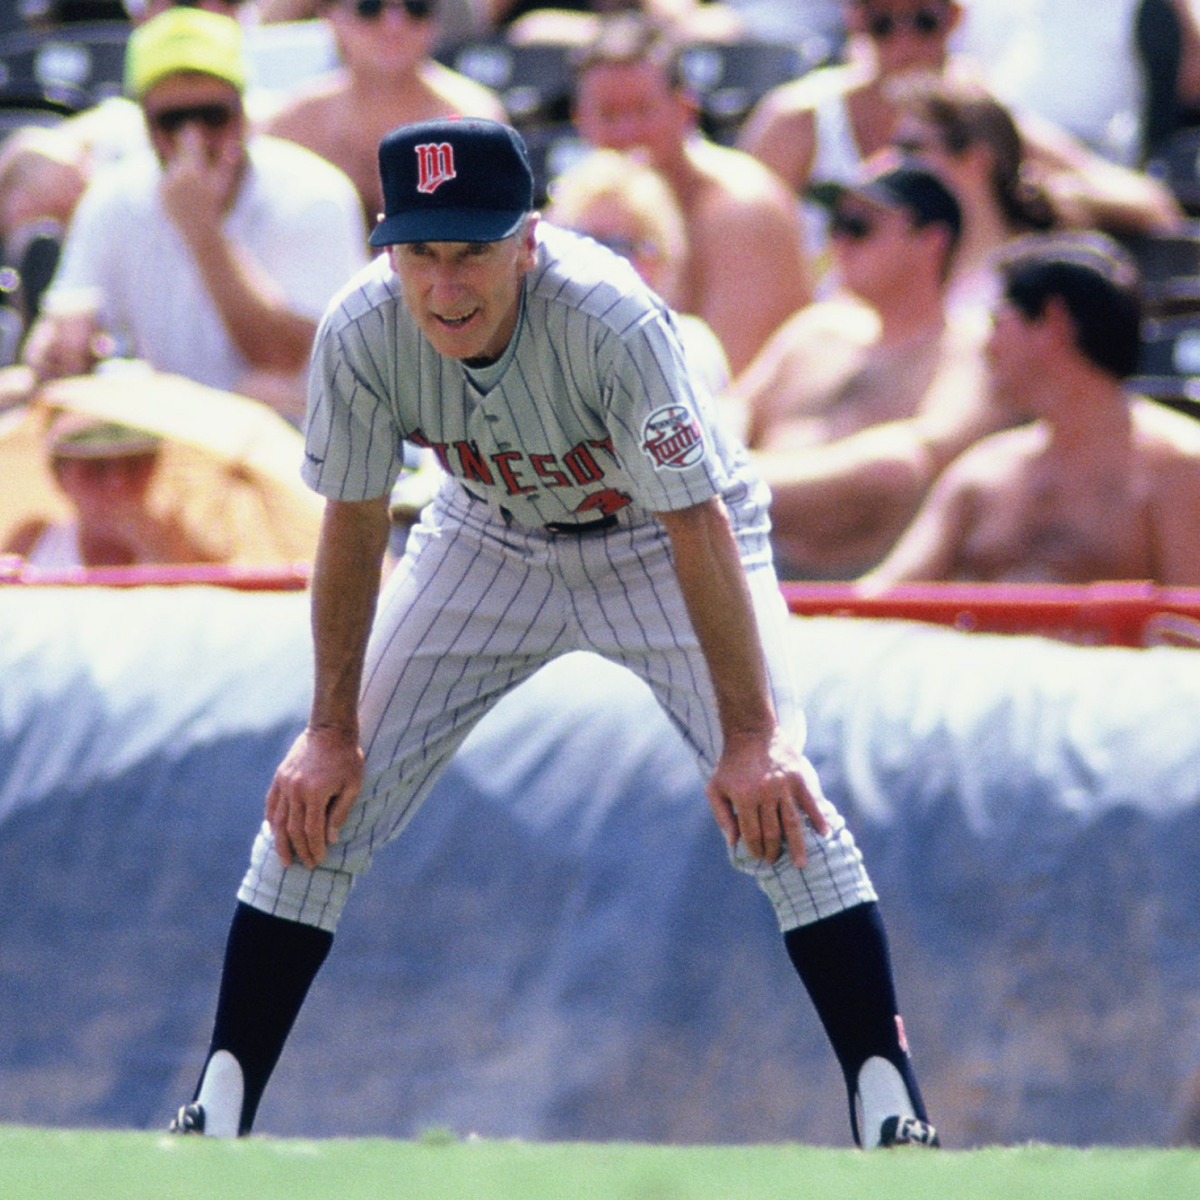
635, 186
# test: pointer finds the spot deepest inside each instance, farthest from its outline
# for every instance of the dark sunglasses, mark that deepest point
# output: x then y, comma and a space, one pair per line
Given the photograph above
211, 116
851, 225
914, 147
925, 22
370, 10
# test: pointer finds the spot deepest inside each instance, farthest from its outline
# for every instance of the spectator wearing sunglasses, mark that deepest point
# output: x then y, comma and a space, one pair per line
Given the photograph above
861, 396
826, 124
387, 78
214, 257
745, 269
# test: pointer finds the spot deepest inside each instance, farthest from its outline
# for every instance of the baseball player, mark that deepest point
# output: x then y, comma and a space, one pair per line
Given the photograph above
589, 503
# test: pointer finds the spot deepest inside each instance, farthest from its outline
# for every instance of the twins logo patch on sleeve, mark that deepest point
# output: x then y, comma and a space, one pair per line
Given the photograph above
672, 438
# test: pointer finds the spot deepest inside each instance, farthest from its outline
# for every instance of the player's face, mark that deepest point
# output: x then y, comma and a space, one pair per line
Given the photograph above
465, 296
631, 106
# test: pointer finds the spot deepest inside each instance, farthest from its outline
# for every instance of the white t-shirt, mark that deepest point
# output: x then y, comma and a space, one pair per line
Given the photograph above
297, 216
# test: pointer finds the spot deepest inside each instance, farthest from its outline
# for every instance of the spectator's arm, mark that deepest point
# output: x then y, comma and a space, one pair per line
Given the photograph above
1090, 191
754, 275
926, 551
835, 506
268, 333
253, 308
782, 135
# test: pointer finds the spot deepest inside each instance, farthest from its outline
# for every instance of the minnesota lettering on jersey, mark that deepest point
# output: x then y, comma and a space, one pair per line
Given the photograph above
519, 472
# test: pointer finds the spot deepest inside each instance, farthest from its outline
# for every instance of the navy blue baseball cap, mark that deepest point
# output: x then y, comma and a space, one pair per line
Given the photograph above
457, 180
907, 185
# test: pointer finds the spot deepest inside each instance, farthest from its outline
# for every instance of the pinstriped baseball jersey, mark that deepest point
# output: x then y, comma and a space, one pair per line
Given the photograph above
590, 411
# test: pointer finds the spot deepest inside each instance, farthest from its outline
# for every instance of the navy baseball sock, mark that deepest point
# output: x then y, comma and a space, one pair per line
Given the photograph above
269, 965
844, 963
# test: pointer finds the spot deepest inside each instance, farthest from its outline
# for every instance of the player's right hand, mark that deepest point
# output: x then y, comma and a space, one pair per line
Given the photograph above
312, 792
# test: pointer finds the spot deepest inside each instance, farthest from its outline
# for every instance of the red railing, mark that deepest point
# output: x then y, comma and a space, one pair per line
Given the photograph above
284, 577
1102, 614
1112, 614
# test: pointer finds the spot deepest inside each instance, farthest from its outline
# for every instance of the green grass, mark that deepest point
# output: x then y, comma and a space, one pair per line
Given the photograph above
70, 1165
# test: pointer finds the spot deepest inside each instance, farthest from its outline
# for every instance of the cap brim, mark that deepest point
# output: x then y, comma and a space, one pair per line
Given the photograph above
447, 225
829, 191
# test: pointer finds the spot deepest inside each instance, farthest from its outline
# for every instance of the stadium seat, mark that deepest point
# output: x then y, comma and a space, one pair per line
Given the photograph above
1168, 367
534, 81
729, 78
87, 56
1170, 267
12, 328
1176, 161
552, 148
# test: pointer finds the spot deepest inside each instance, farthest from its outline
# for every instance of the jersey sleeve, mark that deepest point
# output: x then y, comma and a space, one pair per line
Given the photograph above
658, 419
353, 446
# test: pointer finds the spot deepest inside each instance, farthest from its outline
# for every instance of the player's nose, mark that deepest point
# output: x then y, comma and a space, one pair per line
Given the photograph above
447, 291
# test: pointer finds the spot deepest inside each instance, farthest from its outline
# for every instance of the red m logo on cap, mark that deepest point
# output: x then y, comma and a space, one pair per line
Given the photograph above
435, 164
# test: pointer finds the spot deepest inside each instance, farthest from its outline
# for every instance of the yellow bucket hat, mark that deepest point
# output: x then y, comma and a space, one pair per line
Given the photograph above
184, 39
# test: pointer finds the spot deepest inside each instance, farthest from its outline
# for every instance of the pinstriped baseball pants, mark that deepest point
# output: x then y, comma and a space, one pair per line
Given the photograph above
475, 607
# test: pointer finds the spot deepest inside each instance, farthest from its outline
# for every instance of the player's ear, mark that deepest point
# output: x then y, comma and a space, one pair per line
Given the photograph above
528, 237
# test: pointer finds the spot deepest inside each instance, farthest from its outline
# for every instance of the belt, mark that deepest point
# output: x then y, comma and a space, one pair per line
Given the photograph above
558, 528
582, 528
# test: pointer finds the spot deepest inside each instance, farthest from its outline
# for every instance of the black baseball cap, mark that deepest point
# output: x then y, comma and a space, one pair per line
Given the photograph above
457, 180
907, 186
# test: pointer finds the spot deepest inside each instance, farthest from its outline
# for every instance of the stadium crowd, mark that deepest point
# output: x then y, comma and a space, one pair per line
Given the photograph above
840, 182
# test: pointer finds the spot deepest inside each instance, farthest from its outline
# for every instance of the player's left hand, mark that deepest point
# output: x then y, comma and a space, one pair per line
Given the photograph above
760, 792
312, 792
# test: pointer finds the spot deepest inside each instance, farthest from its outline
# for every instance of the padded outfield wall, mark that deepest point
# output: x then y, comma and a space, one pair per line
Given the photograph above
557, 948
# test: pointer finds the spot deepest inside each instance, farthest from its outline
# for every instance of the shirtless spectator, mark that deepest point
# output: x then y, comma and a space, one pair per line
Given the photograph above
859, 399
879, 349
745, 270
386, 78
827, 123
823, 125
1104, 484
214, 258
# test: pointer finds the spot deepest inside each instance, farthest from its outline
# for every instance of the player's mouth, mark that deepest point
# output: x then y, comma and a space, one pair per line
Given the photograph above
455, 323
